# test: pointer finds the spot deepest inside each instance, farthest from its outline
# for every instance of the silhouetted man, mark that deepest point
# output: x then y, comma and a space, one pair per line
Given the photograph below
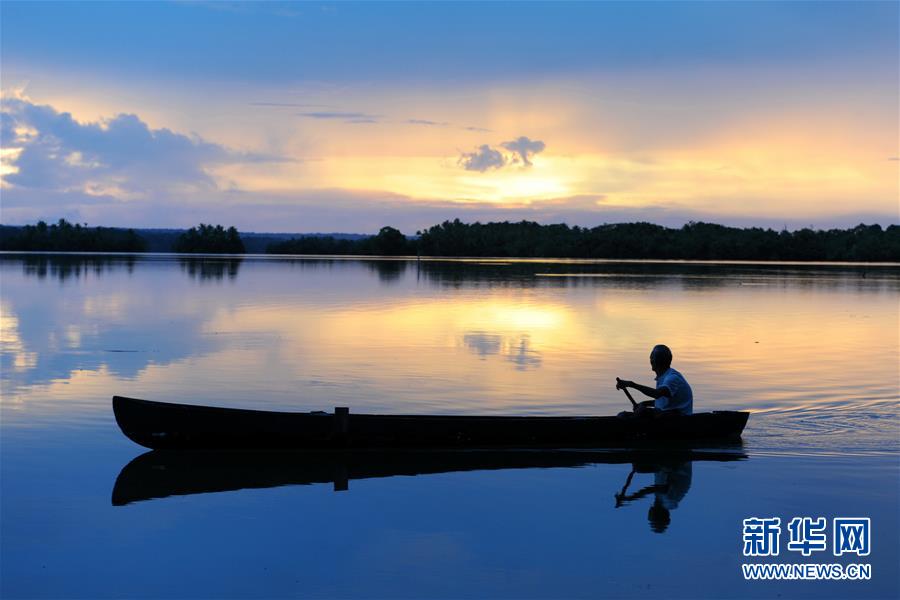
672, 392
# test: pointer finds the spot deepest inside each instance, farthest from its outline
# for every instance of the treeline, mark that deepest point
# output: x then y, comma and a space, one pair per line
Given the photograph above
388, 242
694, 241
66, 237
213, 239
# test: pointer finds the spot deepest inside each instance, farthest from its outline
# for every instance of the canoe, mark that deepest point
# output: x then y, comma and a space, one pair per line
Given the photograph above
163, 425
165, 473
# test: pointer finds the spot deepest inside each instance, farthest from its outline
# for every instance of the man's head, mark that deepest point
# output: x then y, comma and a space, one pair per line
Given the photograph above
660, 358
659, 517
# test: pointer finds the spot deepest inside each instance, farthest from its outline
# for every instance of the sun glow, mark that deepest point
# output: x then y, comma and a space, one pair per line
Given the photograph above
605, 158
513, 187
8, 157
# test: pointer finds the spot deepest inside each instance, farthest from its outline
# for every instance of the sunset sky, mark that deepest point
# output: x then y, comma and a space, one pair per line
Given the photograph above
347, 117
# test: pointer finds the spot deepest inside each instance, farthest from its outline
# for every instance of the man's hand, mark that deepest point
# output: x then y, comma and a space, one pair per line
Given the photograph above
621, 384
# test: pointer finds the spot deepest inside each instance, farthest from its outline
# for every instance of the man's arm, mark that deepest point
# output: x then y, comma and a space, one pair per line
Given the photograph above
647, 391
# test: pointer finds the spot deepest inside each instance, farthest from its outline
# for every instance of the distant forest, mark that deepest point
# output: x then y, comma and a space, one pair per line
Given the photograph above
66, 237
213, 239
694, 241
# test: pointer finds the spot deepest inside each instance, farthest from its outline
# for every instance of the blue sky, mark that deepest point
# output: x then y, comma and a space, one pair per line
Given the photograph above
284, 42
348, 116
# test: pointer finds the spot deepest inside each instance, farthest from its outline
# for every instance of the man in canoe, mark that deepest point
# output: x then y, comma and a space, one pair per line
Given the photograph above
672, 393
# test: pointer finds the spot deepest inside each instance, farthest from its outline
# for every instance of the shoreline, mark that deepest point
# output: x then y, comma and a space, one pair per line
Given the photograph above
462, 259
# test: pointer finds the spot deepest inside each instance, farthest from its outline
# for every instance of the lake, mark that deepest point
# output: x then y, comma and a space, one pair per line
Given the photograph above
810, 349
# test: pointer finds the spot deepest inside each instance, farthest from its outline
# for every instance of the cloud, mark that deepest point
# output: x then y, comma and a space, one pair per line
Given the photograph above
347, 117
524, 148
364, 211
430, 123
362, 117
121, 157
276, 9
289, 105
483, 159
426, 122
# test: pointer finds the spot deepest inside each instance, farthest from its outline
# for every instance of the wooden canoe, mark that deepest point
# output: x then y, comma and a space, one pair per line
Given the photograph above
162, 425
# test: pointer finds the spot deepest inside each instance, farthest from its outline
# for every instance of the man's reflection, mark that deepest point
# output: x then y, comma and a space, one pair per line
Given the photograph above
671, 482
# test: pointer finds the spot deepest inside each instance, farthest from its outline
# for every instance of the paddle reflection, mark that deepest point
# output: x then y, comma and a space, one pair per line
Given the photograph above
160, 474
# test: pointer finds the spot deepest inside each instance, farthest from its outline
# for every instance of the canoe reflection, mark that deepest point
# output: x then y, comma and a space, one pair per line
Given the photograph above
671, 482
163, 473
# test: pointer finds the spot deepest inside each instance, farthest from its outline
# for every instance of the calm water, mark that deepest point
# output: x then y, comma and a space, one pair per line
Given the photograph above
811, 350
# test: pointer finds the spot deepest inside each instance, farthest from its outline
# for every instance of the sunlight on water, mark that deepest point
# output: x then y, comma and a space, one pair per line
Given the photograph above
811, 350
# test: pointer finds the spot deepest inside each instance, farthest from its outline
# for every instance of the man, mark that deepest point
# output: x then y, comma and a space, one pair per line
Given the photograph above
672, 392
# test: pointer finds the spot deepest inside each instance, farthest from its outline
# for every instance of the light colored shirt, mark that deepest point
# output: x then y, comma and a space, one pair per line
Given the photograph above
681, 397
674, 481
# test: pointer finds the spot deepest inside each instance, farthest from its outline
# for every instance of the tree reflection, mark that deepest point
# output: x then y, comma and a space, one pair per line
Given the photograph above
389, 271
63, 268
211, 269
511, 273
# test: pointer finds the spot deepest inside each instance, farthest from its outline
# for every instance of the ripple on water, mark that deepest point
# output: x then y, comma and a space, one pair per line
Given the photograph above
870, 426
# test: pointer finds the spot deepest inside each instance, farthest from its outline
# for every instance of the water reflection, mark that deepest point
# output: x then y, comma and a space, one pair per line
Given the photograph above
105, 322
672, 476
388, 270
587, 274
160, 474
452, 337
494, 273
63, 268
210, 269
516, 349
296, 335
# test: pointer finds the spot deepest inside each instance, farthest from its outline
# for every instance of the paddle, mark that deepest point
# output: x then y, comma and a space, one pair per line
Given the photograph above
627, 393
